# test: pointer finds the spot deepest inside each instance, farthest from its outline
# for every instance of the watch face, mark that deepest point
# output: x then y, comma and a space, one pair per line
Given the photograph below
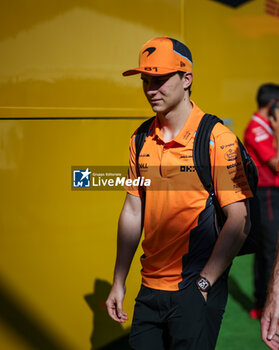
203, 284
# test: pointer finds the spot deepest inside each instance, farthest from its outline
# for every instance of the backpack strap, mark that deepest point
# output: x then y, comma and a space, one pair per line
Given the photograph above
201, 150
202, 161
250, 168
140, 136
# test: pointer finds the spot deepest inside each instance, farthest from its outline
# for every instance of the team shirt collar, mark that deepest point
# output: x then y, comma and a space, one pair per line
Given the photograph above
187, 131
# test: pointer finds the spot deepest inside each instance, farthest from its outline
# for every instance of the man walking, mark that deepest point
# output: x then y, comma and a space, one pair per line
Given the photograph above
185, 264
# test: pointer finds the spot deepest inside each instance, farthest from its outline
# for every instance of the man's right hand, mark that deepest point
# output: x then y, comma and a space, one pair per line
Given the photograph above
275, 122
114, 304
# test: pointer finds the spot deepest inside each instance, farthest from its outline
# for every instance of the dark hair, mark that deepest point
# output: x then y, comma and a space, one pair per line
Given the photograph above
181, 74
266, 93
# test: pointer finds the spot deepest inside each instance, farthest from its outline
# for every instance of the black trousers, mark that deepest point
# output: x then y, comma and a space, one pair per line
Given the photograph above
265, 256
178, 320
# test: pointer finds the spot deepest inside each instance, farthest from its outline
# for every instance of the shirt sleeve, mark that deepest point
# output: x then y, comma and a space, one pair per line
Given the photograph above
261, 142
132, 175
230, 182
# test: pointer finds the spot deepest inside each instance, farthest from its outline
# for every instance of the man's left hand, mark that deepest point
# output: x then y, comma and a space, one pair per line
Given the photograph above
204, 295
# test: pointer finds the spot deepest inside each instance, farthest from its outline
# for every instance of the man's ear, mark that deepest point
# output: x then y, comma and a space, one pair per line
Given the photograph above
187, 80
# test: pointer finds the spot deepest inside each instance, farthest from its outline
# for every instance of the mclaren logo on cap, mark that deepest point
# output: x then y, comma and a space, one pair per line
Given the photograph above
150, 50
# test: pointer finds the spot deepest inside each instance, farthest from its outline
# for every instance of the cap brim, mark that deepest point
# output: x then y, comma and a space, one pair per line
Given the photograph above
158, 71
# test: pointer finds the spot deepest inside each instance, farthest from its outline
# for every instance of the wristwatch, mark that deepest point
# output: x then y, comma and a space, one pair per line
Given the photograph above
203, 284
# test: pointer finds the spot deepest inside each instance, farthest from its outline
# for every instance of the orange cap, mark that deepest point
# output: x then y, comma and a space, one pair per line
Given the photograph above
162, 56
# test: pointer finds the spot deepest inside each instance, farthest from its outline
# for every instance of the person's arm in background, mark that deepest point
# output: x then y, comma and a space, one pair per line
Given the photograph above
129, 233
270, 317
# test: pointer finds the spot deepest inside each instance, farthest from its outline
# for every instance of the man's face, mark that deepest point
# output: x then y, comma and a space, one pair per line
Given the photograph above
164, 92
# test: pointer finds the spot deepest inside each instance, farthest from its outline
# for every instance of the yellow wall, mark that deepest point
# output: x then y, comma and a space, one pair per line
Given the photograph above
64, 60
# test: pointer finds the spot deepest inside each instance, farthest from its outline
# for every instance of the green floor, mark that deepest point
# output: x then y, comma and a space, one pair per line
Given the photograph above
238, 330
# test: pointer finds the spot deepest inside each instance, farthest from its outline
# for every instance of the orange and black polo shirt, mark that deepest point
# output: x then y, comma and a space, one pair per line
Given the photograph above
179, 215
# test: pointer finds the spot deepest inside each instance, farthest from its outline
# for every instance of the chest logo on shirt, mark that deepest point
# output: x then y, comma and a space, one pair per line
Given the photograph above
225, 146
143, 166
230, 155
187, 169
186, 157
187, 135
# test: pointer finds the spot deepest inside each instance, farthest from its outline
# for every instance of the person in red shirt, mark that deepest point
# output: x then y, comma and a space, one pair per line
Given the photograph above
261, 140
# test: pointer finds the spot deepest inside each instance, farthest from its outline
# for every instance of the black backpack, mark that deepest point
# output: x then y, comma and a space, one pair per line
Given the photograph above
201, 160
